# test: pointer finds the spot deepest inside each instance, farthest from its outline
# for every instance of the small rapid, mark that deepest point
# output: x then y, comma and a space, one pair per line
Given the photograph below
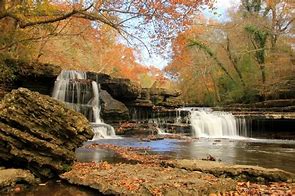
216, 124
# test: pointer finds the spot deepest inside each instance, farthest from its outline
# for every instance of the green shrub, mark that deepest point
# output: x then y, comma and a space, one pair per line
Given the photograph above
7, 74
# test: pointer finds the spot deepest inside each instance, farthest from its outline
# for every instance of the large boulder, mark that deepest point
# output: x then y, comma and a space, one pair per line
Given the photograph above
121, 89
111, 109
165, 97
39, 133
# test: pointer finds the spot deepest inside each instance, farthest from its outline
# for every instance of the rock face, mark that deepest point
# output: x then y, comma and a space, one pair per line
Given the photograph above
121, 98
39, 133
34, 76
121, 89
112, 109
140, 102
160, 96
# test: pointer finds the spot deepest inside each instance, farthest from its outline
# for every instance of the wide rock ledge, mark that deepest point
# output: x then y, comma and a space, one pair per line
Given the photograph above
142, 179
39, 133
238, 172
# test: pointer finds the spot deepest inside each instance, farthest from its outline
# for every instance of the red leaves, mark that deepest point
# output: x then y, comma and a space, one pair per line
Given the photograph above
131, 153
275, 188
152, 178
95, 166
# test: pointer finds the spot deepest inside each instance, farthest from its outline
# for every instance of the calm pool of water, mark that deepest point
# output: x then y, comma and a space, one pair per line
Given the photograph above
262, 152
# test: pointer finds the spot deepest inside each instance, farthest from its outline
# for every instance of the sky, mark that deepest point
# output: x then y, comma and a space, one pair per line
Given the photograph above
221, 8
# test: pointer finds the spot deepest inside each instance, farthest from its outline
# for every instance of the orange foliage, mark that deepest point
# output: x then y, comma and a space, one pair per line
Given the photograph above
92, 49
193, 73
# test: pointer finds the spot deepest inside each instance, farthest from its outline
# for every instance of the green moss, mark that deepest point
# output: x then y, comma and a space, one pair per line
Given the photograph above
66, 167
7, 74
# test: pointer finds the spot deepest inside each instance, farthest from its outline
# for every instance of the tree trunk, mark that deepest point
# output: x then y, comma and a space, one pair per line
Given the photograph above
234, 62
216, 91
273, 28
262, 69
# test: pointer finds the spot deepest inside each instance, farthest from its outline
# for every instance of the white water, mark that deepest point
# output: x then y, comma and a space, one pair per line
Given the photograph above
73, 88
214, 124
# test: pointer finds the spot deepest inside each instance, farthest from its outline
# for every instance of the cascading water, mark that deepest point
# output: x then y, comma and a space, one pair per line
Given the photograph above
214, 124
73, 88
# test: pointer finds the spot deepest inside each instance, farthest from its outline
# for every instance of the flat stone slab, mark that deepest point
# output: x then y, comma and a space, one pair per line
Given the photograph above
238, 172
145, 179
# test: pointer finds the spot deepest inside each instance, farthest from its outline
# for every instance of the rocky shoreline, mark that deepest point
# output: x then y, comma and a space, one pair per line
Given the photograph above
146, 174
154, 175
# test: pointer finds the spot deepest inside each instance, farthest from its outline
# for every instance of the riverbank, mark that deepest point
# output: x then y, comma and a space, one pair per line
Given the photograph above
142, 172
149, 174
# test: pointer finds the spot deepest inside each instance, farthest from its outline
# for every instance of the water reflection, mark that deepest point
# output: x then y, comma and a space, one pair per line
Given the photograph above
265, 153
57, 189
97, 155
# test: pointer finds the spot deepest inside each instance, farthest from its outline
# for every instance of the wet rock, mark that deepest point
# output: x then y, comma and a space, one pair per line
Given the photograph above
98, 77
239, 172
39, 133
150, 138
209, 158
111, 109
121, 89
177, 128
137, 129
14, 180
141, 179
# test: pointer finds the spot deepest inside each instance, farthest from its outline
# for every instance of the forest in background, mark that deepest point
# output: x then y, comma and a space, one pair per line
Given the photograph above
246, 59
240, 60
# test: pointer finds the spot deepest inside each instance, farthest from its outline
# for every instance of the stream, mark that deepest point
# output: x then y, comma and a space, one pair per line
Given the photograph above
246, 151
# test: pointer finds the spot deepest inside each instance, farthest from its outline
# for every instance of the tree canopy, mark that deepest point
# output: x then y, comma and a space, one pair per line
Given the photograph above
160, 20
238, 60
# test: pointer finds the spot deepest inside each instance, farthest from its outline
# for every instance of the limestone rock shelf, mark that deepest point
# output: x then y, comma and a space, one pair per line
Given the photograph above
39, 133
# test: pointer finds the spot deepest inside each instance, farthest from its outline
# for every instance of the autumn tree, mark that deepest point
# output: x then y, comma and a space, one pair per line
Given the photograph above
280, 13
160, 20
237, 60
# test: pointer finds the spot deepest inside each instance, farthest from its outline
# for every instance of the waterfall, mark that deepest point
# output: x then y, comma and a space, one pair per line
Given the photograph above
215, 124
82, 95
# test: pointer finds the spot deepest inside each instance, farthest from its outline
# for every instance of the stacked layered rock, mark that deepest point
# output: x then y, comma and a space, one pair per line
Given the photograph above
35, 76
128, 99
39, 133
121, 99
